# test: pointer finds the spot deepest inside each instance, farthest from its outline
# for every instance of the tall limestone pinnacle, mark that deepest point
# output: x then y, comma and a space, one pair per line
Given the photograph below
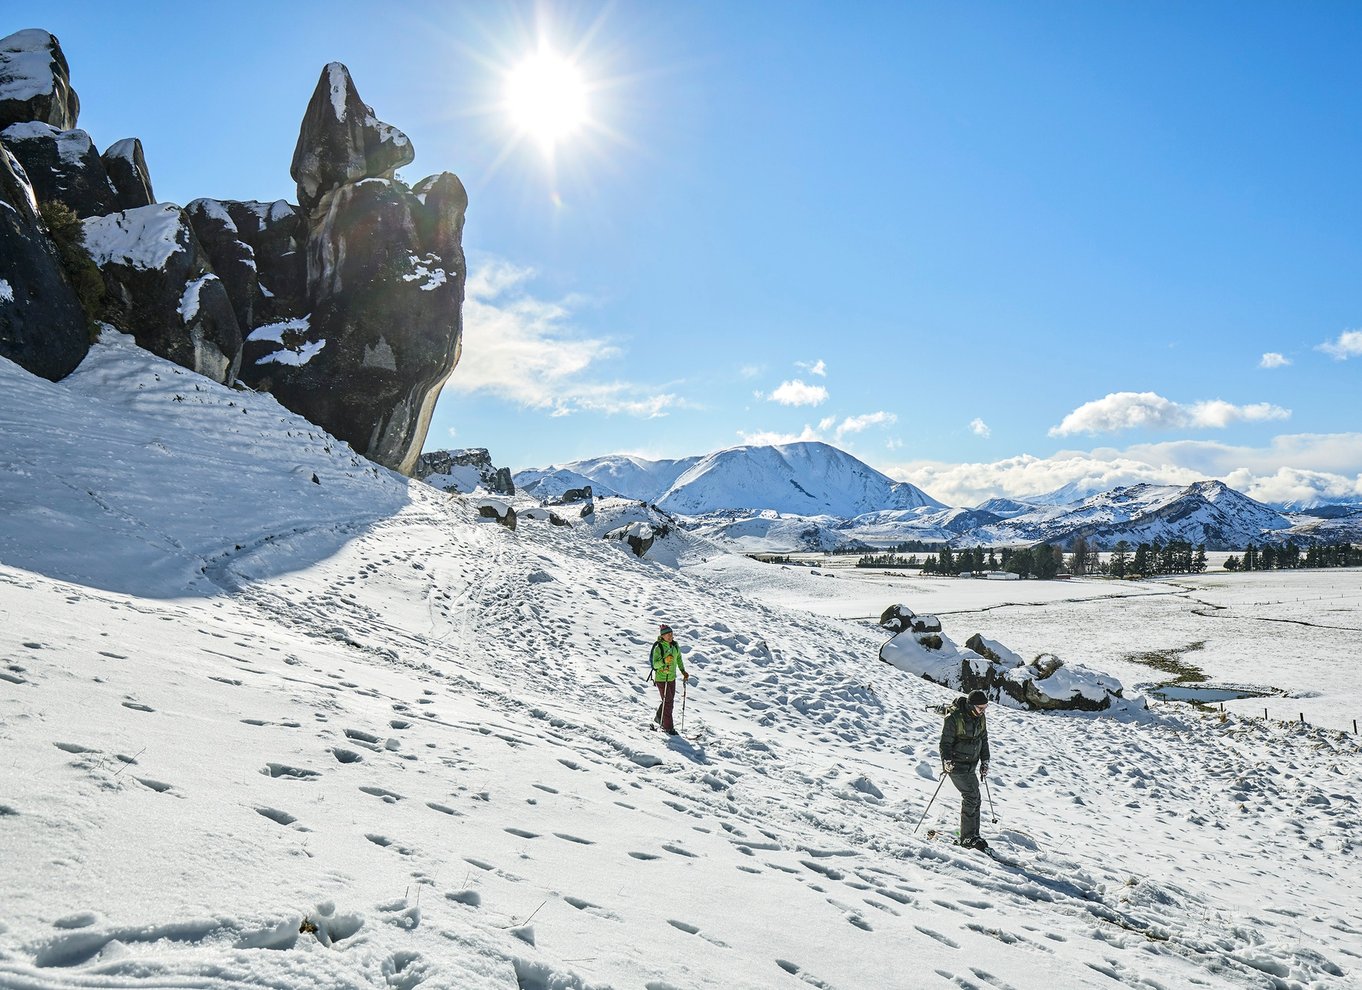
382, 324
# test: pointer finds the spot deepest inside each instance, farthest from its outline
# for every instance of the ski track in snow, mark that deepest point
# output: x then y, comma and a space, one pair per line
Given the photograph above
423, 739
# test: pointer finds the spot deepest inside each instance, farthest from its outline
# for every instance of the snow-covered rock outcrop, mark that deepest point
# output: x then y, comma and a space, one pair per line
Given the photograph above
126, 165
1047, 683
162, 289
35, 81
385, 283
464, 470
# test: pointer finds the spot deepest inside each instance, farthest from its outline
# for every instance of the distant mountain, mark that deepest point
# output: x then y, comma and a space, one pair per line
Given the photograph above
804, 479
1005, 508
615, 474
1208, 512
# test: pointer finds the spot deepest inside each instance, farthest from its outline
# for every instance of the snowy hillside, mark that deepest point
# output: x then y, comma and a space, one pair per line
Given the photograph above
272, 716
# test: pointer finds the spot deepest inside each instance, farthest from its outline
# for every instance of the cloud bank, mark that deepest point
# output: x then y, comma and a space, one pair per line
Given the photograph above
796, 393
1149, 410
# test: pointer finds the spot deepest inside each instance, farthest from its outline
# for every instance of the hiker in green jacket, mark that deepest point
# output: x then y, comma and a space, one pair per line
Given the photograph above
964, 746
667, 663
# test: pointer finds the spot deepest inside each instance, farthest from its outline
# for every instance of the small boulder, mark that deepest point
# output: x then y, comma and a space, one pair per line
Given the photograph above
495, 508
63, 166
638, 535
35, 81
897, 618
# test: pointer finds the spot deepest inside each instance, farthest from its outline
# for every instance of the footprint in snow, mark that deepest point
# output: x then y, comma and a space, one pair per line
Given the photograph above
138, 706
938, 936
573, 838
644, 856
389, 797
521, 833
683, 926
284, 770
160, 787
277, 816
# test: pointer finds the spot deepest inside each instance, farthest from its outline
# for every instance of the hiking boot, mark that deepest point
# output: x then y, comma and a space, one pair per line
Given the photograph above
974, 842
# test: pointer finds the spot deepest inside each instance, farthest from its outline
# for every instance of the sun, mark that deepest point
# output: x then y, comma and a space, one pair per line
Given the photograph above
546, 98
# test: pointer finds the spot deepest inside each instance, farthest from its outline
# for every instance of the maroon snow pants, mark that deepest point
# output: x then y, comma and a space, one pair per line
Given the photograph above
667, 691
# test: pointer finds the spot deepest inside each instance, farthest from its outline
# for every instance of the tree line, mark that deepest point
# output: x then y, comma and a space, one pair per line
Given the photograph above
1289, 557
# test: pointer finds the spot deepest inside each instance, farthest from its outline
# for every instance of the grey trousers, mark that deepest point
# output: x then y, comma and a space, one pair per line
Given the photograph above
966, 781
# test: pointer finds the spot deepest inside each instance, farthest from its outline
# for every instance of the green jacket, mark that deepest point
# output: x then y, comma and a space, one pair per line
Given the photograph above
667, 662
964, 736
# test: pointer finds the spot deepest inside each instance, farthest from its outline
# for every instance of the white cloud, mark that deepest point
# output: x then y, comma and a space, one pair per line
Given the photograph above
1299, 468
817, 368
979, 428
525, 350
750, 370
1274, 360
1348, 344
855, 424
1149, 410
796, 393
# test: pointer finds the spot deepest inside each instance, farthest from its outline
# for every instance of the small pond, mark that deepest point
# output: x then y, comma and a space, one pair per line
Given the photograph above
1204, 695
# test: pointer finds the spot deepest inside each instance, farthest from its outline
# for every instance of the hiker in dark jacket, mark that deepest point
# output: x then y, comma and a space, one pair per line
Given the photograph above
667, 663
964, 747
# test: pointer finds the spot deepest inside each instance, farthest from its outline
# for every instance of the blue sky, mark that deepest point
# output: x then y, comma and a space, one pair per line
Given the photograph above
988, 248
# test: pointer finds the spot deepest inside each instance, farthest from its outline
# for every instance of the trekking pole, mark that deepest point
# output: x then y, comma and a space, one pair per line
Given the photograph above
990, 802
929, 804
683, 705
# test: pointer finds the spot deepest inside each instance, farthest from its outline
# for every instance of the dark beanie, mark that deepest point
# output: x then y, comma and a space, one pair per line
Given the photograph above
977, 698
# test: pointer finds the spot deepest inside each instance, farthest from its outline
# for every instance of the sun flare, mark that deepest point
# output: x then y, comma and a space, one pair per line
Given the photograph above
546, 98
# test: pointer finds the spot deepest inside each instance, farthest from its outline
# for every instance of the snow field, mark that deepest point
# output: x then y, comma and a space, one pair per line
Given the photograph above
234, 701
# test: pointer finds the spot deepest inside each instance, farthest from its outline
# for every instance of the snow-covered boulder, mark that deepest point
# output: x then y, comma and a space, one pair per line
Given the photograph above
497, 508
341, 141
42, 326
126, 166
571, 496
35, 81
897, 618
464, 471
161, 288
1047, 683
63, 165
639, 536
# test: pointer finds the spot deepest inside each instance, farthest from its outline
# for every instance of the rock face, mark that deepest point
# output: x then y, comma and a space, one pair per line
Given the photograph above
382, 325
35, 81
463, 471
582, 494
42, 326
341, 141
63, 166
126, 167
257, 250
162, 290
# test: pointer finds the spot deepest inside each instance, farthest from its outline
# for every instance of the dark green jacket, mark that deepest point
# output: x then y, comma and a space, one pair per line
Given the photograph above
964, 737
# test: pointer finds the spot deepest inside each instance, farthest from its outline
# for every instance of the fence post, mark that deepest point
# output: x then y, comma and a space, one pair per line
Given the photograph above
1302, 718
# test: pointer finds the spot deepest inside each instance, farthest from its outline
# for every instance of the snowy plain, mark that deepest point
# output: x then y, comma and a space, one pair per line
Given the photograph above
251, 684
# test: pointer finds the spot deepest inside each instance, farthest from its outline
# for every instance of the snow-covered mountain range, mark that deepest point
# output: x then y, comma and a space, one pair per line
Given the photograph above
813, 496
